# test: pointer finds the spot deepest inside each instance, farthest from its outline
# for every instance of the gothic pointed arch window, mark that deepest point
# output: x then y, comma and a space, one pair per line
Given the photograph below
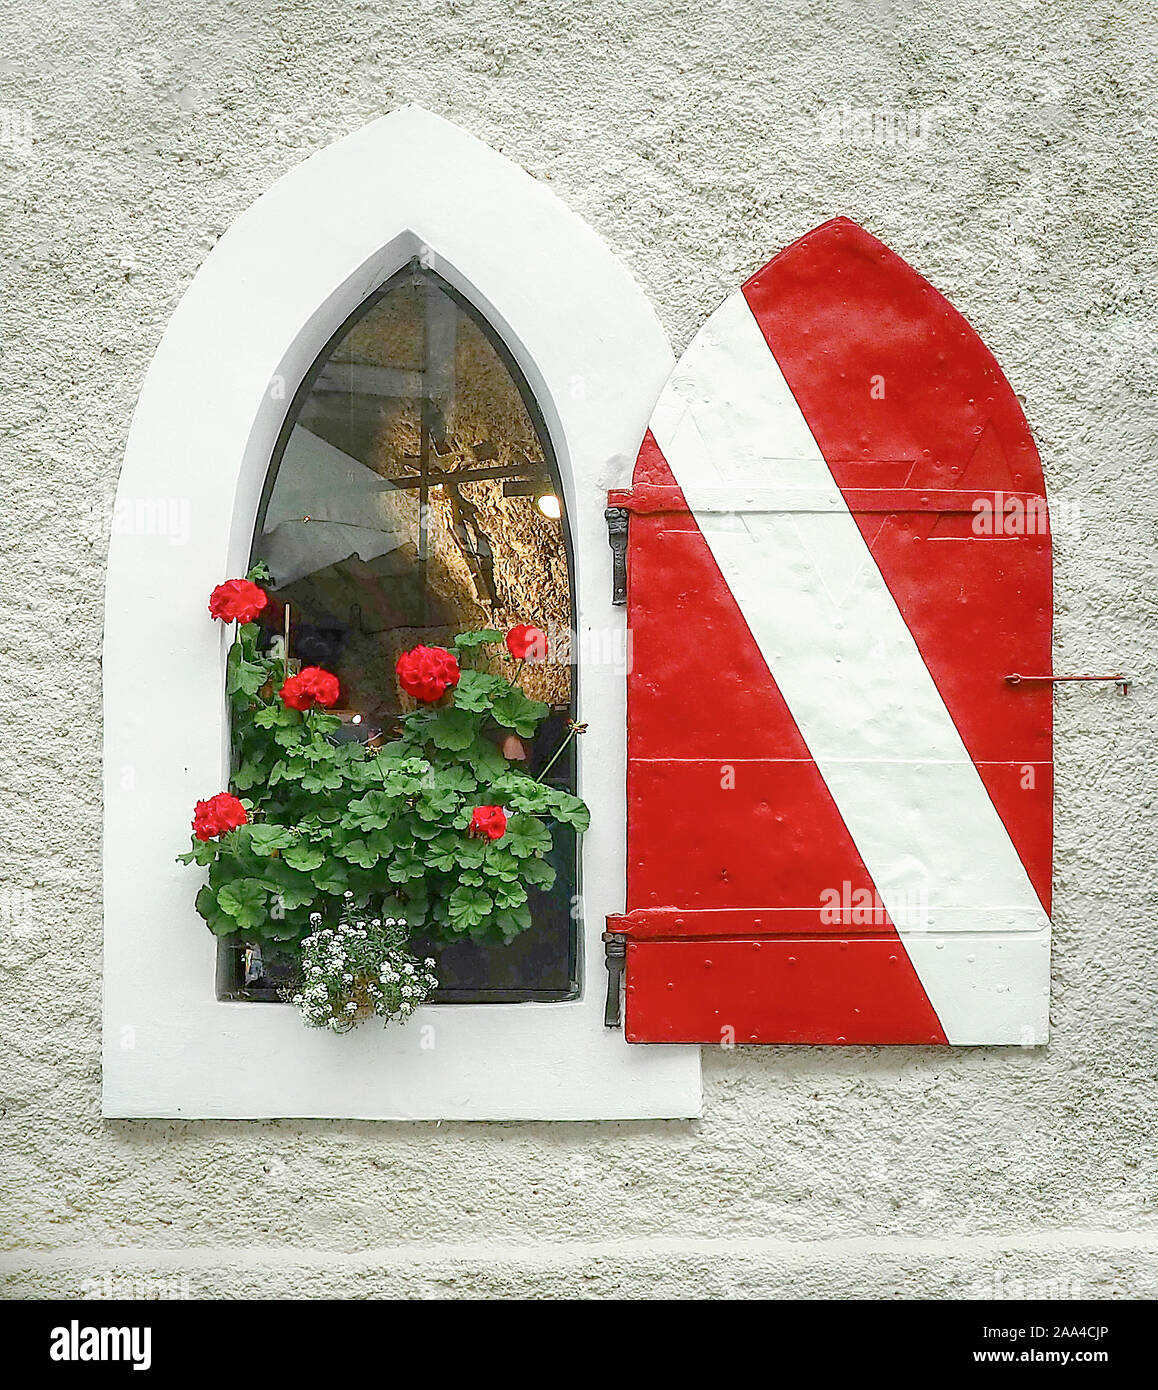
413, 494
353, 347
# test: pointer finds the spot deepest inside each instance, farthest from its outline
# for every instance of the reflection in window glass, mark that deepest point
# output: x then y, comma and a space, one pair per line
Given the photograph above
411, 500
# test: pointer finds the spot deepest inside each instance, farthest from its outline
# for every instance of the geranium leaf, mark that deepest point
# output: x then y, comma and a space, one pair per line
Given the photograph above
407, 778
203, 852
321, 779
525, 836
571, 810
468, 907
452, 729
291, 890
436, 802
331, 878
485, 760
251, 773
264, 839
359, 852
469, 853
528, 795
537, 873
243, 677
511, 921
374, 811
288, 769
509, 895
304, 857
515, 711
450, 775
500, 863
219, 923
476, 689
244, 901
441, 853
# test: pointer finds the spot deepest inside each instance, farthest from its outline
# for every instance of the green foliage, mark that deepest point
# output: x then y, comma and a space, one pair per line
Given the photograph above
389, 826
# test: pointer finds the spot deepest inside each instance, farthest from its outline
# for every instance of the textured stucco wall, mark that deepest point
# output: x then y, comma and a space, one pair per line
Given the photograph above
690, 136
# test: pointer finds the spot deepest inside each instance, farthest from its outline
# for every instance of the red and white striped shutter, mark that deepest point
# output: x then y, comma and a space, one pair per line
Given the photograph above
839, 810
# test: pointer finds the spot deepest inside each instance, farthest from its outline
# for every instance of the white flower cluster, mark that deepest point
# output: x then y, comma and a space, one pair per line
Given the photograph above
358, 969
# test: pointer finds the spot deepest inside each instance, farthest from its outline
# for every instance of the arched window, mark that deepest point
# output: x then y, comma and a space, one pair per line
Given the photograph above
266, 342
413, 494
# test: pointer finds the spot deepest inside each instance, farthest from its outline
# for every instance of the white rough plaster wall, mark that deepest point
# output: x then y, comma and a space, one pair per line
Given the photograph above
688, 135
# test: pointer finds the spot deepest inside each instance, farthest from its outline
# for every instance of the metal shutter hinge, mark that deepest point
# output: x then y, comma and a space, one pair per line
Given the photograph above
617, 539
615, 958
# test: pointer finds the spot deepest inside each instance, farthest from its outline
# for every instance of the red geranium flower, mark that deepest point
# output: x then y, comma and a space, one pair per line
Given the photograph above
217, 815
427, 673
490, 821
237, 601
527, 643
311, 686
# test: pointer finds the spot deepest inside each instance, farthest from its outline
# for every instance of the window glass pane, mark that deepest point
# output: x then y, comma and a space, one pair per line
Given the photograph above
414, 495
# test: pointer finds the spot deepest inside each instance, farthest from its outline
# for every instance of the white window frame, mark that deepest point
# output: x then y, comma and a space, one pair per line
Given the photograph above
281, 280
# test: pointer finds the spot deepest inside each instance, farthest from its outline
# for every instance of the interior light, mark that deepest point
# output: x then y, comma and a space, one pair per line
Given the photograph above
549, 505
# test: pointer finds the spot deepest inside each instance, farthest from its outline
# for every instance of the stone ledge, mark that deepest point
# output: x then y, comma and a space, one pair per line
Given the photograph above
1038, 1265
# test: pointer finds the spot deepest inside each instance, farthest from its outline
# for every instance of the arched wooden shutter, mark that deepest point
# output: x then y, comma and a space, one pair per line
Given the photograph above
839, 809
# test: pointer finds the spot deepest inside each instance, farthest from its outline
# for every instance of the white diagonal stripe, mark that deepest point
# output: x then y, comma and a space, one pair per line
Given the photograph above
856, 684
